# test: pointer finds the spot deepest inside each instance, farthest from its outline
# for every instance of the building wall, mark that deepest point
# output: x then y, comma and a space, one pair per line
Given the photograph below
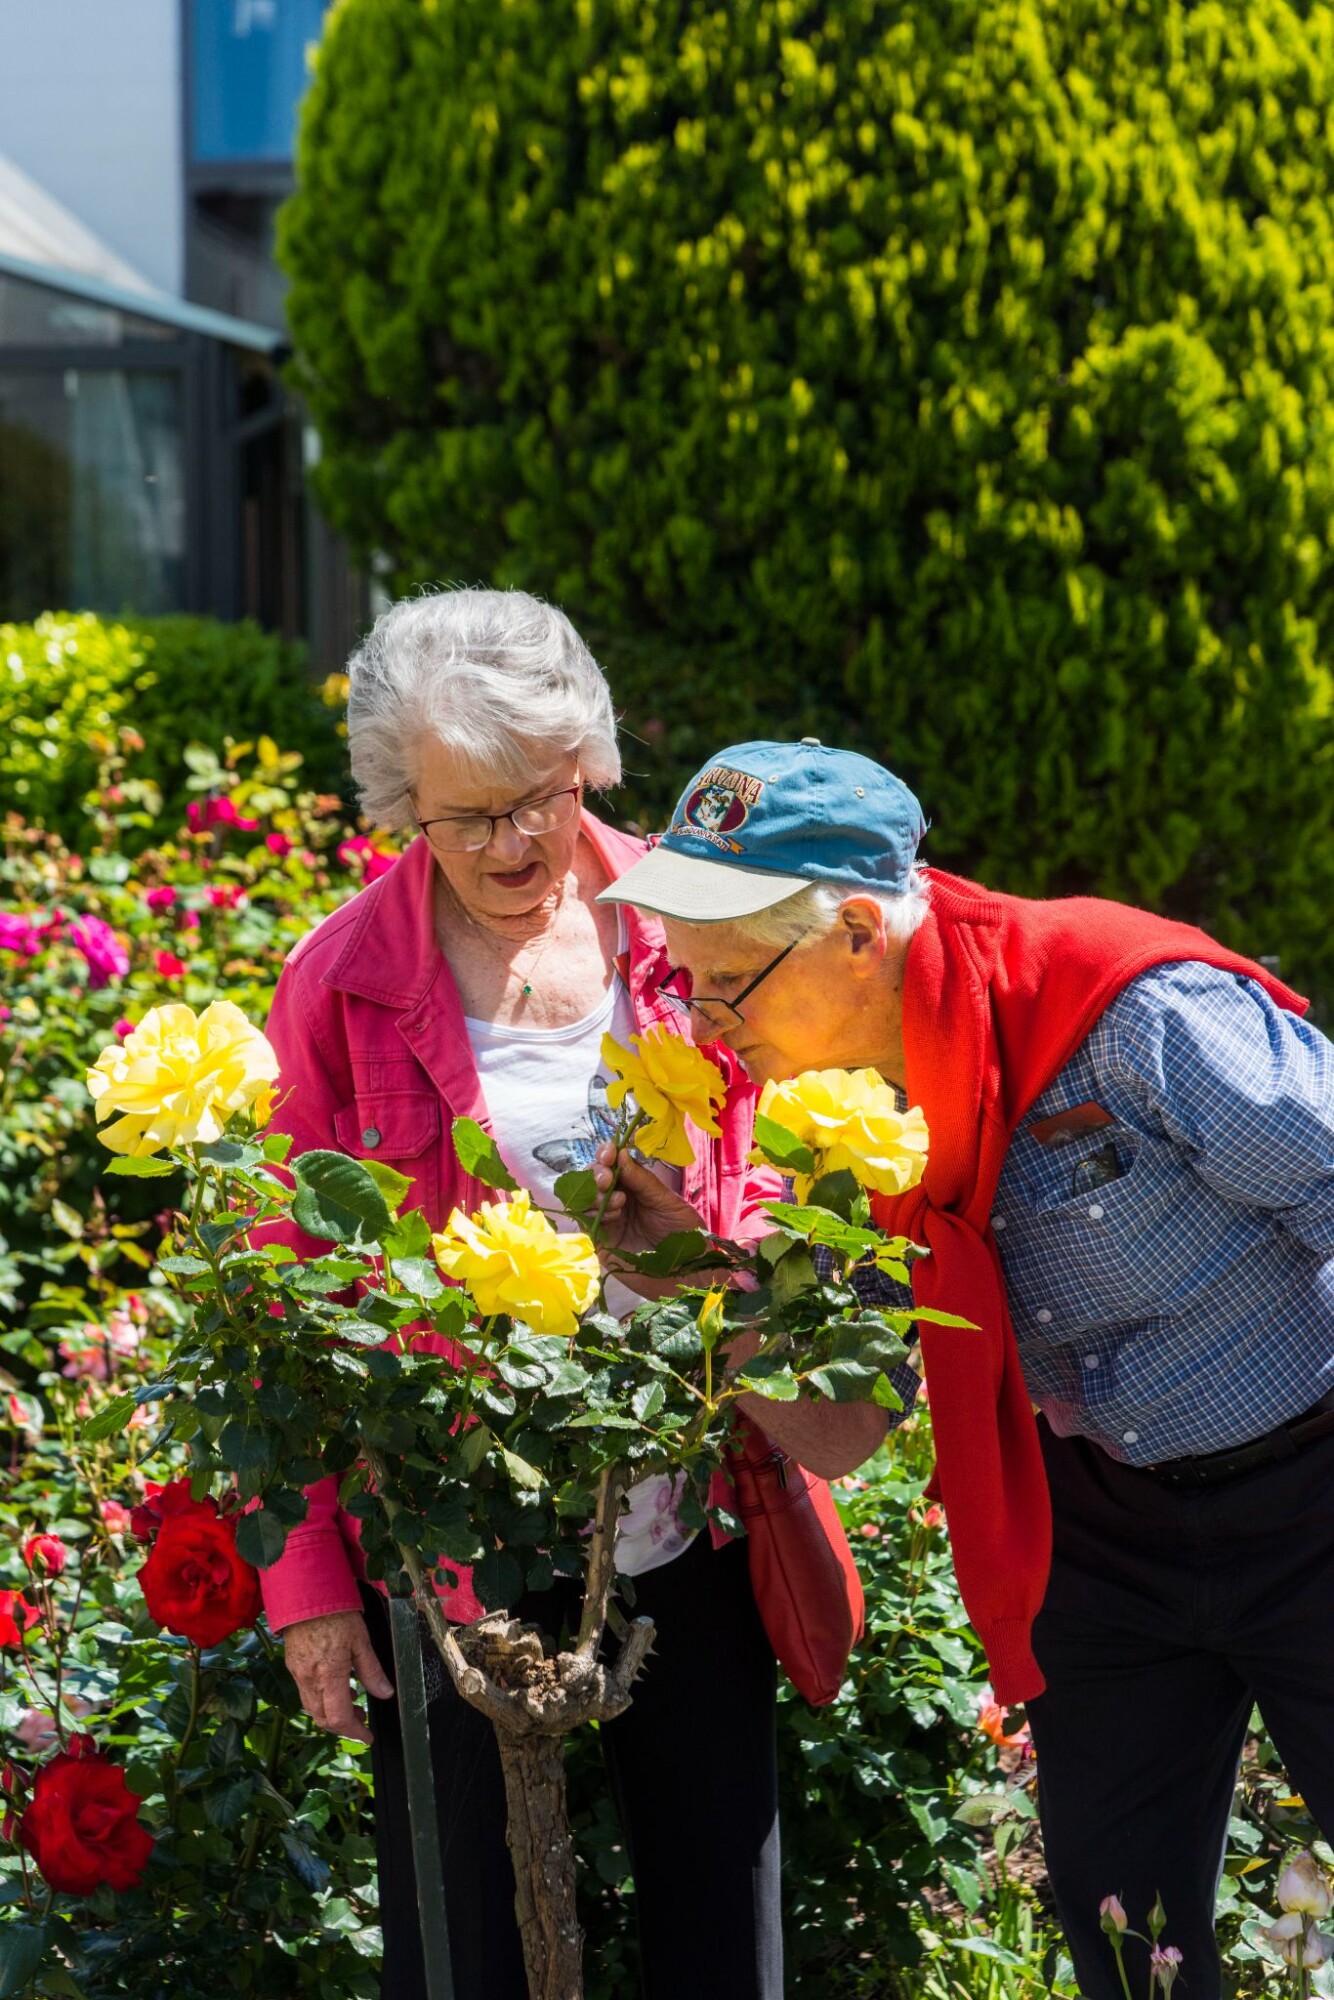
90, 107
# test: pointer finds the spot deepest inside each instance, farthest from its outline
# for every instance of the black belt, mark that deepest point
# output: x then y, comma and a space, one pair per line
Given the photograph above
1284, 1441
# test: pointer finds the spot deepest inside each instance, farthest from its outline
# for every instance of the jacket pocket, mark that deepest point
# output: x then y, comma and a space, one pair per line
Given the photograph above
401, 1127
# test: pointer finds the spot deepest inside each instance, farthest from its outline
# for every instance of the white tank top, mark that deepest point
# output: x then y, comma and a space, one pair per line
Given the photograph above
546, 1092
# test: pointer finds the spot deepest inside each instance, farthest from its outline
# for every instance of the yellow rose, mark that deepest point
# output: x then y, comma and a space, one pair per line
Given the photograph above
671, 1082
177, 1078
849, 1119
513, 1261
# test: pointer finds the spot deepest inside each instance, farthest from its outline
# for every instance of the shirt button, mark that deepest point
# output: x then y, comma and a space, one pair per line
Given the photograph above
1044, 1315
1092, 1361
371, 1136
998, 1222
1096, 1212
1130, 1437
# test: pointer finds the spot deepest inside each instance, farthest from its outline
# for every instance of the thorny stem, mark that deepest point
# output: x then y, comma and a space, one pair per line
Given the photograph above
601, 1561
623, 1142
196, 1679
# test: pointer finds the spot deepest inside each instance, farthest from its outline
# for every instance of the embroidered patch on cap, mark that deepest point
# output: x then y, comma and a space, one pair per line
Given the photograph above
719, 806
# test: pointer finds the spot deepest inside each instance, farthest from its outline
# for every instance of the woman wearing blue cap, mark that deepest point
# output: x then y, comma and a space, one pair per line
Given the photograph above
1130, 1193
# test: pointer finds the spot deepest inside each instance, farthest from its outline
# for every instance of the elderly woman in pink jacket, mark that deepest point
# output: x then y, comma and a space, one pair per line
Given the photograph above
478, 977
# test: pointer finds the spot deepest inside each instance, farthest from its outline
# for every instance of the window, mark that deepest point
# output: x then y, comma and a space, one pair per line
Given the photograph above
92, 504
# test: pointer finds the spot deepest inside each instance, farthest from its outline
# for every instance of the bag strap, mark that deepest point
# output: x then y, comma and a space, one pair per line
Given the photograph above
428, 1865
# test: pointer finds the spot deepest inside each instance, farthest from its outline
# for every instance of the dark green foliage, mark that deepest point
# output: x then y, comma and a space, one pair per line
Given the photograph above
68, 681
952, 376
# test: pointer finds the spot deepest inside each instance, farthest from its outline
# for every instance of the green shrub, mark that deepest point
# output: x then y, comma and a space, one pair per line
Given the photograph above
68, 680
958, 371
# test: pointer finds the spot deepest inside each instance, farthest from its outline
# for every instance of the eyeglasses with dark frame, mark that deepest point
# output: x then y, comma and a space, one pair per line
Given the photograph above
468, 832
729, 1013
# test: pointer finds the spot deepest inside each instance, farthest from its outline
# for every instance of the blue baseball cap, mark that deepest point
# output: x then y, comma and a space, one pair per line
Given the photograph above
764, 820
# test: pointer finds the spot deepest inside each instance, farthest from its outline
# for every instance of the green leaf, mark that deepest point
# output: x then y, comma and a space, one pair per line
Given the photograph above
277, 1145
337, 1198
781, 1387
135, 1168
648, 1400
674, 1253
260, 1538
225, 1803
395, 1187
246, 1448
985, 1947
781, 1148
310, 1871
473, 1447
109, 1420
498, 1580
21, 1948
934, 1318
884, 1395
479, 1156
792, 1275
182, 1267
577, 1192
521, 1472
845, 1381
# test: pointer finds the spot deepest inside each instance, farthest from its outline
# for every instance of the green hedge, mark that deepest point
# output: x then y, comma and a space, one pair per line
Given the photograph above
956, 371
67, 679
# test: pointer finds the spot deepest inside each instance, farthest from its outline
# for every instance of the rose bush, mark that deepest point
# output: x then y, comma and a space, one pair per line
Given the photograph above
260, 1879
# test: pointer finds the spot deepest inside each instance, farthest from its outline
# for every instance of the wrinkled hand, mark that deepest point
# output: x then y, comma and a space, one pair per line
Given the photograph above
323, 1655
643, 1209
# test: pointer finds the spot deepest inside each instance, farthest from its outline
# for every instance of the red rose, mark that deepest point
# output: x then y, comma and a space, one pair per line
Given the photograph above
160, 1501
13, 1607
194, 1582
82, 1826
46, 1554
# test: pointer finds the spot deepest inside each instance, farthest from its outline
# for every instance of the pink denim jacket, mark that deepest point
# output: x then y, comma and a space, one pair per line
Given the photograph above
376, 1062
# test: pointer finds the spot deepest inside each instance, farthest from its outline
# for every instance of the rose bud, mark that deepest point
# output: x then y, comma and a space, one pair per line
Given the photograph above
1112, 1917
45, 1555
1304, 1886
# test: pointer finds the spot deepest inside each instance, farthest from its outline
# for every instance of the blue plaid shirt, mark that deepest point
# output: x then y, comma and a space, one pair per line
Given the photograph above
1171, 1273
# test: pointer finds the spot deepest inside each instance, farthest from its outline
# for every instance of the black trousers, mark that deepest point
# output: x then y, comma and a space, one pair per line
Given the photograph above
1167, 1616
693, 1771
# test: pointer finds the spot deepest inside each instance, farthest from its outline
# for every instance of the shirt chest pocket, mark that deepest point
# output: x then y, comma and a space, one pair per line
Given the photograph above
402, 1130
1102, 1239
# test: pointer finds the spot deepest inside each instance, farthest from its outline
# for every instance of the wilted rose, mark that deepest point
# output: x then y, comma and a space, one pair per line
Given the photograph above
1304, 1886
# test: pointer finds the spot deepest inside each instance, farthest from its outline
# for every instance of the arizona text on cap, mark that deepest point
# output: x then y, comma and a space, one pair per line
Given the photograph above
762, 821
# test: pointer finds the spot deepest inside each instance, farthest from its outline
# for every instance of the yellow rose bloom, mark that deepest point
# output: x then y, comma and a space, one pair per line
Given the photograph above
177, 1078
514, 1261
671, 1082
849, 1119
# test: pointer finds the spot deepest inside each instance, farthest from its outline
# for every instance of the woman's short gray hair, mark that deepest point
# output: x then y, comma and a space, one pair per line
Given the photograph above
812, 913
502, 679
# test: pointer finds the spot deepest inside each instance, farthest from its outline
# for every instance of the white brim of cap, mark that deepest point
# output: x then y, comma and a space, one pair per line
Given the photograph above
697, 891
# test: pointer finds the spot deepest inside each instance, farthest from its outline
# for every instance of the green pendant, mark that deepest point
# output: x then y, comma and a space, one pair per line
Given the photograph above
526, 991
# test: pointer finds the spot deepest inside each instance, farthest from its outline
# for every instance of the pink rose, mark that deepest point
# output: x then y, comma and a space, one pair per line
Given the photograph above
167, 965
106, 955
160, 899
279, 844
204, 815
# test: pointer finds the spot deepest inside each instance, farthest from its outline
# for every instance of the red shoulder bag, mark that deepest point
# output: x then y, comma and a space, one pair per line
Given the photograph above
802, 1571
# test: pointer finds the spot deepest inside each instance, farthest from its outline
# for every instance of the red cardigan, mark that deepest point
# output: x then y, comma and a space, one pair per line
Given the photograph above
999, 992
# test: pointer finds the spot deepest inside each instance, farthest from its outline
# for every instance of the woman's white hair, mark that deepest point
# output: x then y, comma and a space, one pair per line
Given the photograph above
502, 679
813, 912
